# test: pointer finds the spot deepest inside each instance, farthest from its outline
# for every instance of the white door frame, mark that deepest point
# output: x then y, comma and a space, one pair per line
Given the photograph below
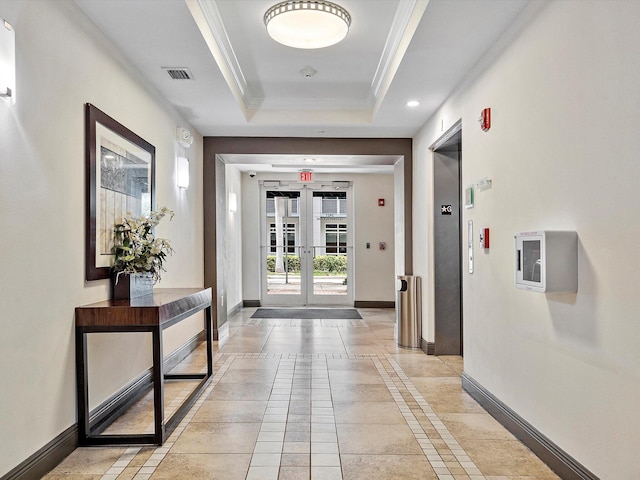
305, 250
312, 298
265, 246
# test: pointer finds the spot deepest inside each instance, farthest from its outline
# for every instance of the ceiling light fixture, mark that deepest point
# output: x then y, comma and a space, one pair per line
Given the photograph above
307, 24
413, 103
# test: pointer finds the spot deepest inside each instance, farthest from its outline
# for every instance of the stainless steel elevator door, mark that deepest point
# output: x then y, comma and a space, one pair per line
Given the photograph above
447, 252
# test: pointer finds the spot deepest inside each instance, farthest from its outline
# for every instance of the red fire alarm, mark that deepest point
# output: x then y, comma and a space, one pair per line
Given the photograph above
381, 202
485, 119
484, 238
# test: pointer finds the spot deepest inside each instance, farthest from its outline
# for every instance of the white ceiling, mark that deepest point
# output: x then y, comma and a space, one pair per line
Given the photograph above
245, 84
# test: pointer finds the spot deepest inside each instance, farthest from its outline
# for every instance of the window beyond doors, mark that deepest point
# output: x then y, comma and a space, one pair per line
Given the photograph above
289, 234
336, 238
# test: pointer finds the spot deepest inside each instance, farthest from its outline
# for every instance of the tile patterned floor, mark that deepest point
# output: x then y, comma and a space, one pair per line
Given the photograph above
319, 400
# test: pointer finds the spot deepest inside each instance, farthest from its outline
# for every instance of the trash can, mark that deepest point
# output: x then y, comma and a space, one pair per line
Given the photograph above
409, 311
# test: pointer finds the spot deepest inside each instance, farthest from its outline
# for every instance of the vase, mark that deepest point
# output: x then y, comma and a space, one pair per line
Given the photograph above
131, 285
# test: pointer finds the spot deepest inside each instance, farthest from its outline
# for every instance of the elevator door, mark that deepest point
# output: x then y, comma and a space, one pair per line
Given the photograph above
447, 248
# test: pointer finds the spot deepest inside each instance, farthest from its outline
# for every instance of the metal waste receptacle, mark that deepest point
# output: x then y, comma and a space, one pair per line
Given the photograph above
409, 311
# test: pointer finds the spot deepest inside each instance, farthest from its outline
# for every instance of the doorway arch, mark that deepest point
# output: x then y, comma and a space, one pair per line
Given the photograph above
214, 201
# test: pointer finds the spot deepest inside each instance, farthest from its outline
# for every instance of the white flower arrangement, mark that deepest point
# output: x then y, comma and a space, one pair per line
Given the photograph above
136, 249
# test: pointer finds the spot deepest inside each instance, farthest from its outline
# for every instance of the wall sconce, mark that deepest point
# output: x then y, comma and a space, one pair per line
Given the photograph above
183, 172
233, 202
7, 61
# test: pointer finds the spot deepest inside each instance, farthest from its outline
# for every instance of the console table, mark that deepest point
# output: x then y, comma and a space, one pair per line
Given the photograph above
150, 313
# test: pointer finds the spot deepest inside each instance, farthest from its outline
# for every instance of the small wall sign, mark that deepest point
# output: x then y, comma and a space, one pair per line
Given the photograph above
468, 197
446, 209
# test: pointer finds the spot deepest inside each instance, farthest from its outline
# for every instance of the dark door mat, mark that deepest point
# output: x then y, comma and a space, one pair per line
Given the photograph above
308, 313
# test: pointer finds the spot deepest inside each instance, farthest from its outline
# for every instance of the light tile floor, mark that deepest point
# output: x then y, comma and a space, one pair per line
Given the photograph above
319, 400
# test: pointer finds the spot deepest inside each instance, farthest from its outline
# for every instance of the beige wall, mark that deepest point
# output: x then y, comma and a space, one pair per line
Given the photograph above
63, 63
562, 153
234, 239
375, 280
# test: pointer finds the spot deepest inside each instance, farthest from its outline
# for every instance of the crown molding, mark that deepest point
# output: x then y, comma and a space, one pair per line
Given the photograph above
311, 103
403, 28
407, 17
392, 53
209, 22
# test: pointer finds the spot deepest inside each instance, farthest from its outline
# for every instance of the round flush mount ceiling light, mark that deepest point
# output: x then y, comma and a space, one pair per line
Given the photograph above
307, 24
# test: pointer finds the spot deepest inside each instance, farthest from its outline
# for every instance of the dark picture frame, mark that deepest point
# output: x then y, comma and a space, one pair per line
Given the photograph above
120, 181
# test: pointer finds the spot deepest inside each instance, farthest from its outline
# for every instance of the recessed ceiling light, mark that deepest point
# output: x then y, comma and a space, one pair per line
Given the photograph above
413, 103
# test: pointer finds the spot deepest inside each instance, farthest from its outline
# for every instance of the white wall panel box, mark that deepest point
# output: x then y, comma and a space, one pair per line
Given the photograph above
547, 261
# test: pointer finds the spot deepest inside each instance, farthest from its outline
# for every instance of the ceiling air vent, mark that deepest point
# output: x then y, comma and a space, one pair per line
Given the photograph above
179, 73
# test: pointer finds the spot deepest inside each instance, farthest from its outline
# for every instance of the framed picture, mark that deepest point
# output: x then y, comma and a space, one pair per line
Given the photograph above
120, 181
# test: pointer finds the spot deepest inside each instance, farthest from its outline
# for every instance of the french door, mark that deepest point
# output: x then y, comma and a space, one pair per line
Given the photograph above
307, 253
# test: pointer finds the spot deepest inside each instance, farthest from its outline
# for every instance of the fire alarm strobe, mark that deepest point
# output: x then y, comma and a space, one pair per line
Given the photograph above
485, 119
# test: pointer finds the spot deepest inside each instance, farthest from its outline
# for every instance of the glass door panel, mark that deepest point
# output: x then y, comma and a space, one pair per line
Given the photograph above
282, 268
329, 224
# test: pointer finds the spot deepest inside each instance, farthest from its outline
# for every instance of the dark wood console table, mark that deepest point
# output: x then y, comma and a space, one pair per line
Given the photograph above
151, 313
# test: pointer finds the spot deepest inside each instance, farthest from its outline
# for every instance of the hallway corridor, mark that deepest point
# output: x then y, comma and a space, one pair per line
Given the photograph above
320, 400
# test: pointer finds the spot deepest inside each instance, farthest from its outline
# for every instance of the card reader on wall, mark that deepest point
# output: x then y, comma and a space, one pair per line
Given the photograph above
547, 261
